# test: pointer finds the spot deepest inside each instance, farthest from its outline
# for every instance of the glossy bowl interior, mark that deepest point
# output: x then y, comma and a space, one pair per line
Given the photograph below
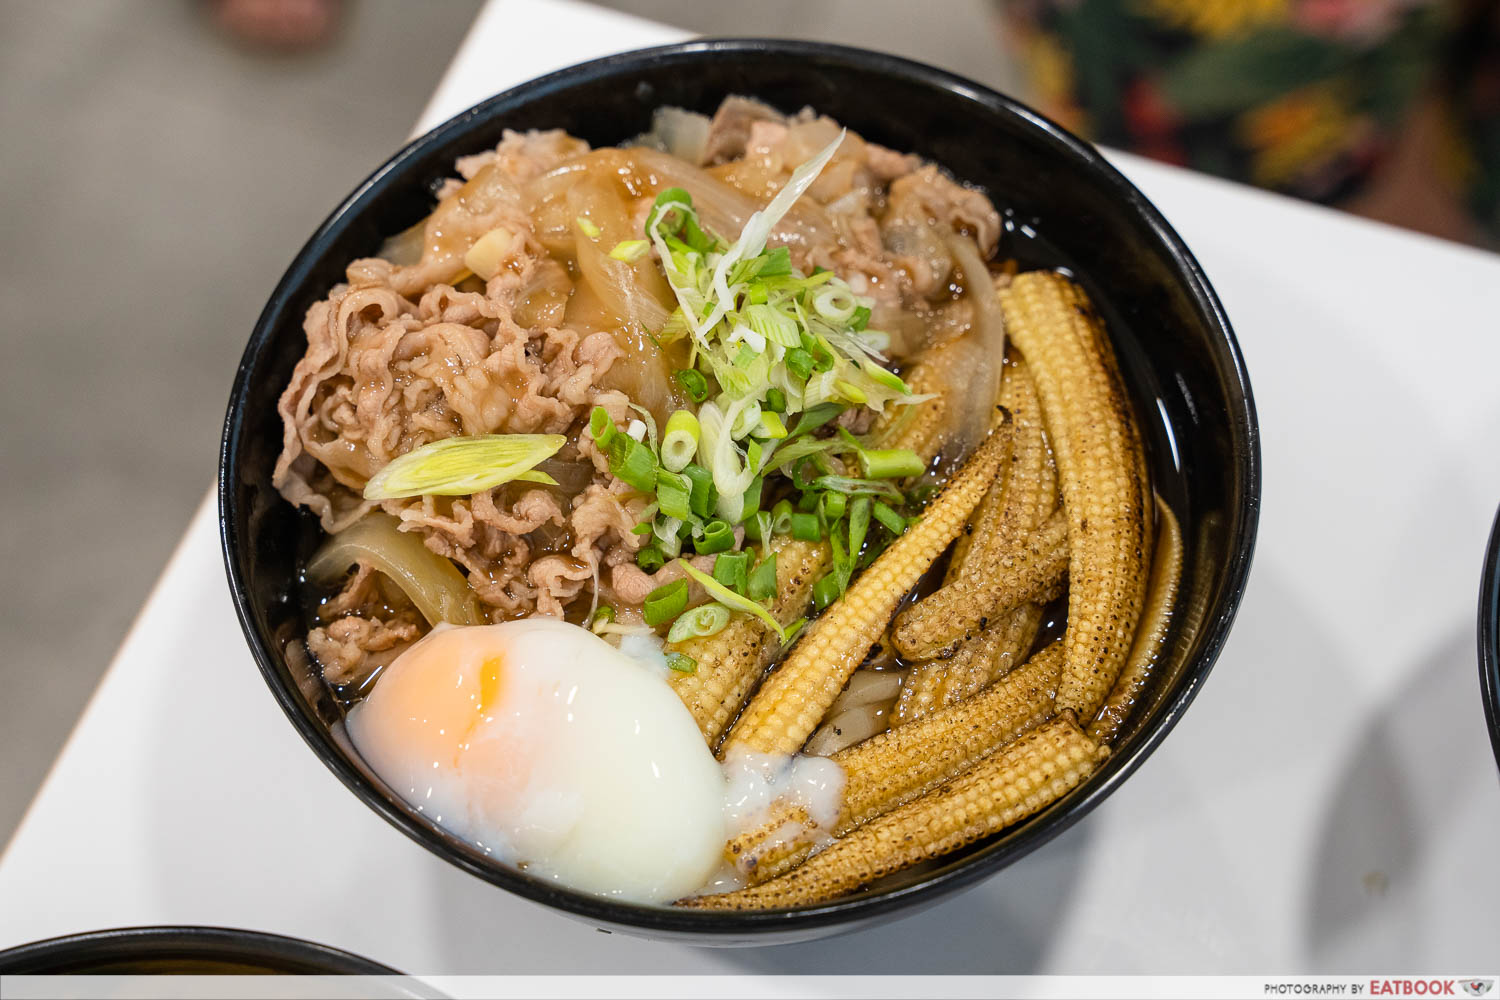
200, 951
1489, 637
1066, 206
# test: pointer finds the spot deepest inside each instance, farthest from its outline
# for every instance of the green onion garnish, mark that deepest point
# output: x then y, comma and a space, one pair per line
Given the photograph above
704, 620
636, 464
775, 400
799, 363
602, 616
693, 383
587, 225
833, 505
761, 583
805, 527
701, 499
730, 599
630, 251
718, 536
680, 442
459, 466
859, 524
681, 662
891, 463
893, 522
771, 426
781, 517
732, 569
665, 602
674, 495
826, 590
650, 558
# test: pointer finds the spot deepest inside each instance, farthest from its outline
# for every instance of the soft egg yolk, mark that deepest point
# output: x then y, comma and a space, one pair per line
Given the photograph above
548, 748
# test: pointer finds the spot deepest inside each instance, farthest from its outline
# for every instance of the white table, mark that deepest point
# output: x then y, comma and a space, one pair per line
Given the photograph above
1329, 803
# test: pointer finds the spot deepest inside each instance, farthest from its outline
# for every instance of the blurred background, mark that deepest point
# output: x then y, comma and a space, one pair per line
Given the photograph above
163, 161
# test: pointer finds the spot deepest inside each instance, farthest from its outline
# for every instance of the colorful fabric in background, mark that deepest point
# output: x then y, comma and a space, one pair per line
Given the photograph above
1305, 97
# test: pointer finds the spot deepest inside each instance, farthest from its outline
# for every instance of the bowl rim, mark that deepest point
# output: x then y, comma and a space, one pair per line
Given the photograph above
1244, 431
228, 944
1489, 637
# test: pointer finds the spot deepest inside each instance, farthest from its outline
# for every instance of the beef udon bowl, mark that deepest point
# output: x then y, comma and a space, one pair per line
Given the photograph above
739, 489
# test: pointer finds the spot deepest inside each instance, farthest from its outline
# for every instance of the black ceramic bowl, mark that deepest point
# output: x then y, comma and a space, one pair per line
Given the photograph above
1067, 206
1489, 637
202, 951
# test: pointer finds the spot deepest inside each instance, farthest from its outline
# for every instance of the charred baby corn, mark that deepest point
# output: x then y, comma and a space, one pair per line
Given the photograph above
993, 653
793, 699
1101, 471
1166, 575
891, 769
935, 625
731, 660
1033, 771
1023, 497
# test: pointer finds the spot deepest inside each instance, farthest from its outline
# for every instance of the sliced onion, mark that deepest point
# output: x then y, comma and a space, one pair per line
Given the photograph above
846, 729
433, 583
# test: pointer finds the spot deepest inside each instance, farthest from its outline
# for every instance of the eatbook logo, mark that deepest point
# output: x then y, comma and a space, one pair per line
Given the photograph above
1477, 987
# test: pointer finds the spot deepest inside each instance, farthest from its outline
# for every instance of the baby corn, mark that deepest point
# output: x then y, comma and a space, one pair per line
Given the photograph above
1016, 505
891, 769
1023, 497
1034, 771
936, 624
1166, 575
793, 699
993, 653
1100, 468
731, 660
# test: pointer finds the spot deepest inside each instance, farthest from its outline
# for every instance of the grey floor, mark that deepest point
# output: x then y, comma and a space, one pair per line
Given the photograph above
154, 181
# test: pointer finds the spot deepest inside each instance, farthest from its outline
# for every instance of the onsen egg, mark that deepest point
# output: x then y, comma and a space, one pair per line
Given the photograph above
550, 749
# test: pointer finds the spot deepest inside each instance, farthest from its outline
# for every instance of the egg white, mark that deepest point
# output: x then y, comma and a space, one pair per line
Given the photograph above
547, 747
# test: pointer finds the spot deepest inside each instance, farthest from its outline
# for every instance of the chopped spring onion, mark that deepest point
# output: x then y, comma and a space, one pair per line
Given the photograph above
604, 615
701, 499
731, 600
674, 493
859, 524
836, 304
827, 590
631, 251
587, 225
833, 504
781, 517
680, 443
718, 536
861, 319
761, 583
775, 400
458, 466
732, 569
858, 487
650, 558
704, 620
771, 426
681, 662
757, 230
893, 522
665, 602
891, 463
850, 391
636, 429
799, 362
693, 383
636, 466
805, 527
